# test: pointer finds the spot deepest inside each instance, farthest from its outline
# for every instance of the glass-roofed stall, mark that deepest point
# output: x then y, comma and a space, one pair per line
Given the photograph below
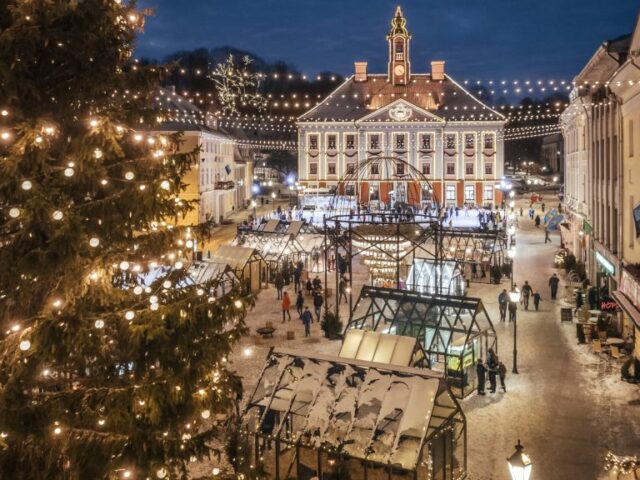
327, 417
454, 331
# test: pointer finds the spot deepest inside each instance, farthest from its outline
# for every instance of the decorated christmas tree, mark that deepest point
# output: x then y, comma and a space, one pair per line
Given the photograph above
112, 362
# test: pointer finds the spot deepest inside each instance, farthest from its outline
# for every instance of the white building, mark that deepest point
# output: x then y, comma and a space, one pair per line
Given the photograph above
424, 119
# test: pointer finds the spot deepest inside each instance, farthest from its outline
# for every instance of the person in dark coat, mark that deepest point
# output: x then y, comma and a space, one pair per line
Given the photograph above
306, 318
279, 283
546, 234
537, 221
342, 291
553, 284
492, 367
536, 300
513, 308
296, 279
579, 300
502, 374
592, 296
480, 371
317, 304
526, 293
299, 302
503, 300
317, 284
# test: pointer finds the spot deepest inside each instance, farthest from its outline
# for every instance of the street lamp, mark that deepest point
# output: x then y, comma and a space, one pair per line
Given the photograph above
519, 464
514, 296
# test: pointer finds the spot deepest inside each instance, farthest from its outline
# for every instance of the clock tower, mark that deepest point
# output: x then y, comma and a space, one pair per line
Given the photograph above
398, 38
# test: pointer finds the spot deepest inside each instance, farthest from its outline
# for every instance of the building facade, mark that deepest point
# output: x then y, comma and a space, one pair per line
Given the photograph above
220, 181
553, 152
426, 122
594, 104
625, 85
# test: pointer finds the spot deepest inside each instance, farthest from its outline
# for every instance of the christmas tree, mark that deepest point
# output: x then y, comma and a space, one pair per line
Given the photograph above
104, 373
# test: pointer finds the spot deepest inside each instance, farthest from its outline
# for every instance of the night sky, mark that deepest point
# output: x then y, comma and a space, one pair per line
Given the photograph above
479, 39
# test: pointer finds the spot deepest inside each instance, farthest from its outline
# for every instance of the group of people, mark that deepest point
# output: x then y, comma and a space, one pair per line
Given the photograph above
495, 369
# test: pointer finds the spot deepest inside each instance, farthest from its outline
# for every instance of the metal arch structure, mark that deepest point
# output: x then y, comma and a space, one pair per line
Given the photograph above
393, 175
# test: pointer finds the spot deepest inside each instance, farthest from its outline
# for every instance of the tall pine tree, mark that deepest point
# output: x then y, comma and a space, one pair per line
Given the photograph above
100, 375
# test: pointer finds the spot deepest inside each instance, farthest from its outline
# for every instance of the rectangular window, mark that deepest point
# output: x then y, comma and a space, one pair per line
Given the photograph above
488, 193
374, 169
313, 168
469, 141
488, 168
469, 193
400, 142
489, 141
313, 142
351, 142
426, 168
399, 168
631, 138
450, 192
332, 169
374, 142
451, 168
351, 169
426, 142
450, 141
331, 142
468, 169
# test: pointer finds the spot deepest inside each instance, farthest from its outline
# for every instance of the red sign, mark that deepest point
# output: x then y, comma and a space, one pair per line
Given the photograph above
608, 305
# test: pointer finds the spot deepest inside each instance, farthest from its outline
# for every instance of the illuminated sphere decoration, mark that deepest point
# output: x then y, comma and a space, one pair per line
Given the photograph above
161, 473
94, 242
99, 324
129, 315
57, 215
26, 185
68, 172
14, 212
25, 345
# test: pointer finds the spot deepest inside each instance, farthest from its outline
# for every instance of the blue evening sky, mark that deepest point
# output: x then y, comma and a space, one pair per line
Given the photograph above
479, 39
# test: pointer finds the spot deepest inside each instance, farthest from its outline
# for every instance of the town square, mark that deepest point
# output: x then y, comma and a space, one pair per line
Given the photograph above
319, 241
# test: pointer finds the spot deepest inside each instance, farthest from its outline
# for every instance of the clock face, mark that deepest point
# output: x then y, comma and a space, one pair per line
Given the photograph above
399, 70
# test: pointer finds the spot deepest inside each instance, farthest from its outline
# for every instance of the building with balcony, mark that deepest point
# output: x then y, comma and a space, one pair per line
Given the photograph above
427, 121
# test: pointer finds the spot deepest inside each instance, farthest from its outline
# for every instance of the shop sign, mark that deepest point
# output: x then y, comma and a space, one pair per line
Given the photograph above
605, 264
608, 305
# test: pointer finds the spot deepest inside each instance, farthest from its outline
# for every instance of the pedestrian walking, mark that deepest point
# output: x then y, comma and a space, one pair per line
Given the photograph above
503, 300
480, 372
502, 374
521, 211
537, 221
579, 301
279, 283
317, 284
543, 207
553, 285
513, 307
526, 293
299, 303
536, 300
317, 304
546, 234
592, 296
342, 290
306, 318
492, 367
296, 279
286, 305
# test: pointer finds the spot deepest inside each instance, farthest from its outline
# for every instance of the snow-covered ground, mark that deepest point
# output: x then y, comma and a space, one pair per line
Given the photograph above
567, 405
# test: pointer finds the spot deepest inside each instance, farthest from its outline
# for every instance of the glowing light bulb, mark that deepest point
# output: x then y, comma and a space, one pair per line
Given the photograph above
137, 290
99, 324
165, 185
153, 299
101, 422
161, 473
205, 414
129, 315
94, 242
238, 303
97, 153
93, 123
5, 136
26, 185
166, 284
57, 431
14, 212
154, 306
57, 215
25, 345
124, 265
68, 172
178, 265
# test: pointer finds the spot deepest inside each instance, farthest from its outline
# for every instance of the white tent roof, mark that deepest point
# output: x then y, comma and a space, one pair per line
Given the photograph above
294, 227
202, 272
271, 226
346, 404
378, 347
234, 256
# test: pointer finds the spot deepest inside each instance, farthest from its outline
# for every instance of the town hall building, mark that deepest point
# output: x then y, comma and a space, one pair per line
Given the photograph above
425, 122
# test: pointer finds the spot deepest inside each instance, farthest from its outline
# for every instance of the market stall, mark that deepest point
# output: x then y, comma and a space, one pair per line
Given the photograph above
317, 416
246, 263
427, 276
382, 348
453, 331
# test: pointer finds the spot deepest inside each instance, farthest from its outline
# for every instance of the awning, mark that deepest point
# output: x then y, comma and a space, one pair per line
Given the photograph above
628, 307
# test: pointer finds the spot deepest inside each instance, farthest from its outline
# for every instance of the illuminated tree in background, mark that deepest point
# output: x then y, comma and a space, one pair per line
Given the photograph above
100, 376
237, 86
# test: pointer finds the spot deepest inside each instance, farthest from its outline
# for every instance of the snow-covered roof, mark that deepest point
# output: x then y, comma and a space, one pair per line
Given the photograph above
202, 272
365, 410
378, 347
234, 256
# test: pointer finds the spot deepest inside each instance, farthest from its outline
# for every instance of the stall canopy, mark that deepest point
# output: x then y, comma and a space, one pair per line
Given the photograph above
454, 331
382, 414
246, 263
381, 348
485, 249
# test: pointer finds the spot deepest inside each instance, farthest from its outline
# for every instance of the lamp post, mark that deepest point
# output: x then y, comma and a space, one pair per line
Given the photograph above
519, 464
514, 296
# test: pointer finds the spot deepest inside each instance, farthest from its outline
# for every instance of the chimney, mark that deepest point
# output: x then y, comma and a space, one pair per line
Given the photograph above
361, 71
437, 70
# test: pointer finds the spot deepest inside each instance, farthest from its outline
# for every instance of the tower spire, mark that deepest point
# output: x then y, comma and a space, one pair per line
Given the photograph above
398, 38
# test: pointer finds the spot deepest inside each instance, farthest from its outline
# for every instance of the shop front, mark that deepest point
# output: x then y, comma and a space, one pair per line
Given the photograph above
628, 299
606, 269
